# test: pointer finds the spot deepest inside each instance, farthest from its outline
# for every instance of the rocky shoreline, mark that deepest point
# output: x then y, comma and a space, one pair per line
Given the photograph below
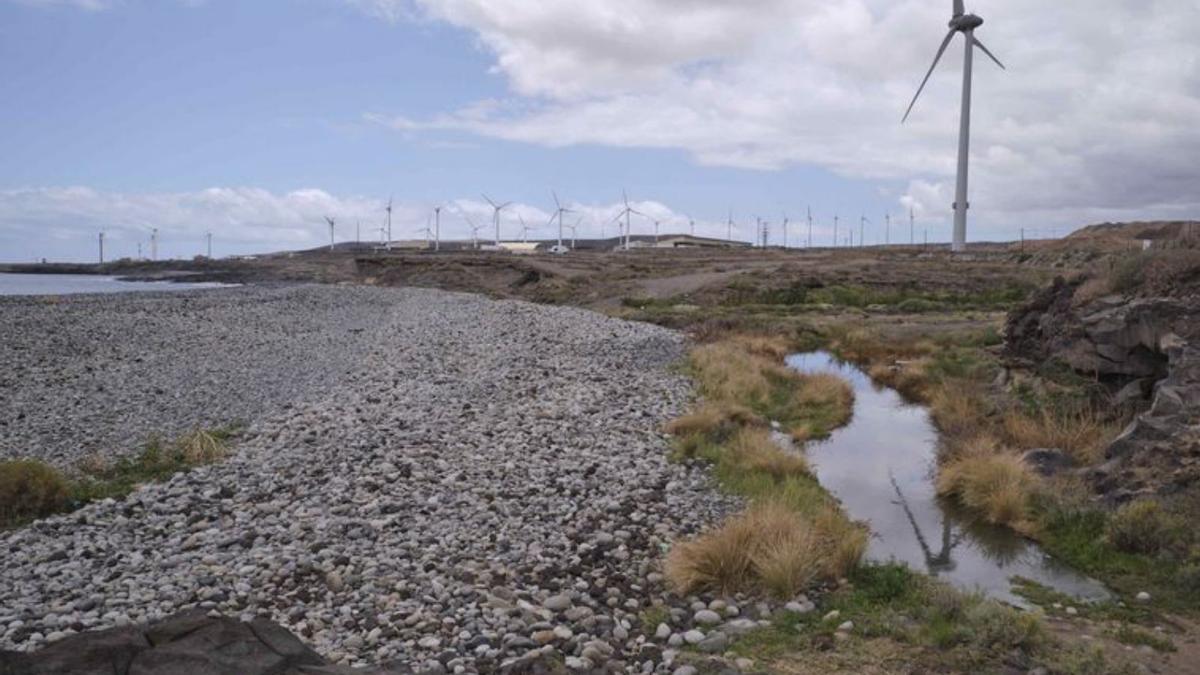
482, 483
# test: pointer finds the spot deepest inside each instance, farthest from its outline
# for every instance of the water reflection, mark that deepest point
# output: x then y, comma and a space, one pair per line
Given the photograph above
882, 466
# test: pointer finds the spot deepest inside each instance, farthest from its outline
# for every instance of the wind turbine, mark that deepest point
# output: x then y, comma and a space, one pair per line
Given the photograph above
575, 231
887, 232
835, 231
437, 228
558, 212
496, 209
729, 234
966, 24
785, 231
388, 244
526, 228
656, 224
692, 222
208, 236
474, 228
154, 244
626, 213
912, 227
331, 222
101, 247
810, 221
862, 229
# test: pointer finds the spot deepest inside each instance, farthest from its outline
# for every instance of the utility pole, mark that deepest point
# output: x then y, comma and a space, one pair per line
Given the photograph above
101, 248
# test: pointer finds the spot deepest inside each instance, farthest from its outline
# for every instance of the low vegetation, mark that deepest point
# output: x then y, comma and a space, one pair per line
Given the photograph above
30, 489
995, 484
794, 533
908, 300
986, 425
921, 625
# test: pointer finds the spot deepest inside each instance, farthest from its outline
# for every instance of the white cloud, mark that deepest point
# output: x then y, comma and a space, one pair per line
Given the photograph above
62, 223
1096, 116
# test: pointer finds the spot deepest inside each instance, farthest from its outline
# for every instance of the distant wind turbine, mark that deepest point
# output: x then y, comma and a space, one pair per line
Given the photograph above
887, 232
862, 230
810, 223
912, 227
332, 223
474, 228
692, 222
559, 211
785, 231
388, 243
575, 231
966, 24
437, 228
496, 209
627, 213
835, 231
101, 248
729, 234
525, 228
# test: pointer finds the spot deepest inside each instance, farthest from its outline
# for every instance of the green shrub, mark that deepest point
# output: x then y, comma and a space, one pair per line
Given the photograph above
30, 489
1142, 527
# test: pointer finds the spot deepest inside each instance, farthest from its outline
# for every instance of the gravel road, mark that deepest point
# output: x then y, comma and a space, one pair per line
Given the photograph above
469, 485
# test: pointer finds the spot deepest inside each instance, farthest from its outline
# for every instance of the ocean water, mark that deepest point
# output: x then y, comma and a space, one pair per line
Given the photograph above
74, 284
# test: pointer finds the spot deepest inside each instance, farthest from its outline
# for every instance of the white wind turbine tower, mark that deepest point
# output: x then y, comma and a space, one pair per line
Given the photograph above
810, 221
525, 228
785, 231
558, 212
692, 223
474, 228
388, 243
437, 228
729, 227
912, 227
496, 209
862, 229
575, 231
332, 223
887, 232
966, 24
627, 213
835, 231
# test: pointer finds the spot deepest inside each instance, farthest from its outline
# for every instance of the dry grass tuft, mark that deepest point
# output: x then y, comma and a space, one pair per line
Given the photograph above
754, 450
958, 410
712, 419
996, 484
200, 447
770, 547
1084, 433
30, 489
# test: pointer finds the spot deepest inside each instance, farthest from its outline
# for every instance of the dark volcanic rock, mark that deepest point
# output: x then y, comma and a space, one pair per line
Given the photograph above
190, 643
1134, 345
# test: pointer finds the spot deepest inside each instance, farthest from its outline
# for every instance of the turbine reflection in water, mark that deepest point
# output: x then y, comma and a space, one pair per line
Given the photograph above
881, 466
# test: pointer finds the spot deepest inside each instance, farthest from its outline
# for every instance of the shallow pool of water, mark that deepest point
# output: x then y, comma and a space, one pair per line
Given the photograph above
74, 284
881, 466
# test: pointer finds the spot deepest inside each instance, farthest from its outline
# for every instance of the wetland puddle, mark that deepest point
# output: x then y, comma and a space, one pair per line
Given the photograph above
881, 466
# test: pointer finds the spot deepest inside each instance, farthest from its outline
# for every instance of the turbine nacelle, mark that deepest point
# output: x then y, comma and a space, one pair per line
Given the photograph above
966, 22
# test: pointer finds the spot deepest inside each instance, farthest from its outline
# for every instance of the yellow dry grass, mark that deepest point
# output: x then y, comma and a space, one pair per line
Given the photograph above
958, 410
997, 484
769, 547
200, 447
754, 450
1081, 433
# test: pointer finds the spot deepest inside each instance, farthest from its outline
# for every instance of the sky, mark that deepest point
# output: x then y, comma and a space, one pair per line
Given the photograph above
256, 119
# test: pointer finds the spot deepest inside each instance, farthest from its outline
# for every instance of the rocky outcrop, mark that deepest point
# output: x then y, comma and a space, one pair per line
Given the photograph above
191, 643
1147, 350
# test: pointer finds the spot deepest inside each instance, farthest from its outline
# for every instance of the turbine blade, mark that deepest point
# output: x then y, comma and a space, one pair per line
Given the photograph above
936, 59
556, 202
959, 10
988, 52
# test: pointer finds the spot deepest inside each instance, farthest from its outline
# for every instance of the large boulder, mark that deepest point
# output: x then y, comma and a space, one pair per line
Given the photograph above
191, 643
